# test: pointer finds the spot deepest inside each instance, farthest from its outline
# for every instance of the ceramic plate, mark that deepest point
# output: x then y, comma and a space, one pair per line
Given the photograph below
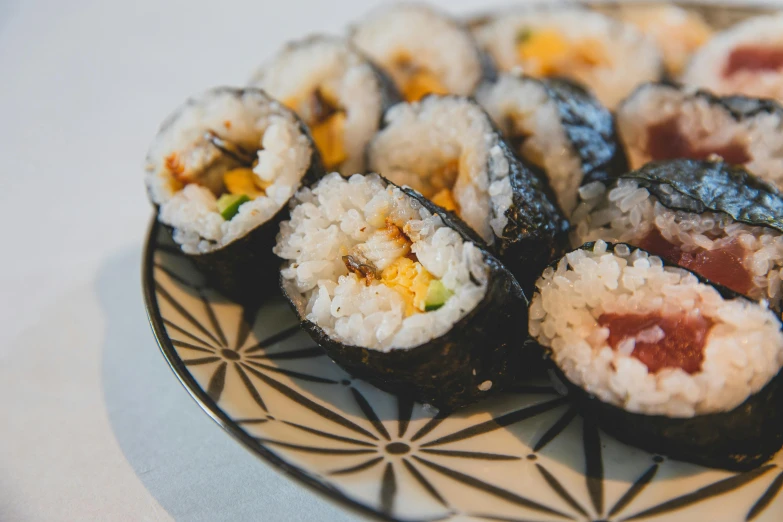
524, 456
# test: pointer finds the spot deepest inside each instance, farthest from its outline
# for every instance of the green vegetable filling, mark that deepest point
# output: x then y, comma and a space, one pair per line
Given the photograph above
228, 204
437, 295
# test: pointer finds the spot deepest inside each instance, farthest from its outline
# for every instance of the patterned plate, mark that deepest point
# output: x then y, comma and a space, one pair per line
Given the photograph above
524, 456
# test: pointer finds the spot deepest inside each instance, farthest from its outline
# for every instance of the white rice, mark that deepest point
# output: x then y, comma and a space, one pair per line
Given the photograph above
339, 215
628, 212
431, 38
633, 57
742, 353
420, 137
248, 118
329, 63
706, 68
705, 126
521, 106
677, 31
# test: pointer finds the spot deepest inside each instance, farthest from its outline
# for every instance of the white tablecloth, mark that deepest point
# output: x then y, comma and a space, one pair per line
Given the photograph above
93, 424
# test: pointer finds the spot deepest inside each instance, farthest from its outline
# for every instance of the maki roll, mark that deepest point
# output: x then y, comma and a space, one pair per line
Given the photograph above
711, 218
662, 360
425, 51
661, 121
447, 148
399, 293
336, 91
678, 32
608, 56
558, 126
220, 171
744, 59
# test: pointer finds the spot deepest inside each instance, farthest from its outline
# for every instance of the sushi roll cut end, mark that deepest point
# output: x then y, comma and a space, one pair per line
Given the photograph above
651, 344
423, 50
395, 295
335, 90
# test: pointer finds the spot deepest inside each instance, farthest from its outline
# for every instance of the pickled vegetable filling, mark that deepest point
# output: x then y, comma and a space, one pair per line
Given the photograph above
666, 141
414, 80
322, 113
546, 52
659, 341
723, 265
753, 59
420, 290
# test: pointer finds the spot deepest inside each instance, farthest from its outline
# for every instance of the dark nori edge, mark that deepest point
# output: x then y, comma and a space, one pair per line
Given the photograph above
537, 230
440, 372
589, 127
245, 269
740, 439
739, 107
701, 186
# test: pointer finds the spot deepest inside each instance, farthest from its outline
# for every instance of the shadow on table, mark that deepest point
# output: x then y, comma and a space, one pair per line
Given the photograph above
193, 469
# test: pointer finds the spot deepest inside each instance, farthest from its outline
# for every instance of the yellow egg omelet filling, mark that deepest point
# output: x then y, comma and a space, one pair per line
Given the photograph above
415, 81
445, 199
246, 182
411, 280
320, 110
548, 53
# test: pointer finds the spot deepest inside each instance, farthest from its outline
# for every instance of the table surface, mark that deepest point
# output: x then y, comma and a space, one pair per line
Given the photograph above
94, 424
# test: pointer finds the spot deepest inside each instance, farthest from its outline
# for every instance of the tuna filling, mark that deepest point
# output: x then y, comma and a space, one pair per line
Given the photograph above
659, 341
753, 58
666, 141
723, 265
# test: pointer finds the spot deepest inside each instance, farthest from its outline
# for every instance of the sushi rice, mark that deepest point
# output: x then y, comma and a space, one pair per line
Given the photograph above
743, 349
422, 49
523, 107
705, 125
627, 213
329, 65
608, 56
447, 143
366, 219
184, 169
710, 67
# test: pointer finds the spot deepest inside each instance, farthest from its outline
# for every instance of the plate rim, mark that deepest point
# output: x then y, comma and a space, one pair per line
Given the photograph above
299, 475
205, 402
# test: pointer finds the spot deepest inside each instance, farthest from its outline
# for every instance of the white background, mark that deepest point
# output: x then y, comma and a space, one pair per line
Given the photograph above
83, 87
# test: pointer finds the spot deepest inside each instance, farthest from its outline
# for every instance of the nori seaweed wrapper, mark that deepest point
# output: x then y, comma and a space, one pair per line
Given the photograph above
485, 345
702, 186
739, 439
246, 270
537, 230
590, 129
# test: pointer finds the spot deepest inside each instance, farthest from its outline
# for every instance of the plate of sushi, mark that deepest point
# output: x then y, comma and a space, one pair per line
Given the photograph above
522, 266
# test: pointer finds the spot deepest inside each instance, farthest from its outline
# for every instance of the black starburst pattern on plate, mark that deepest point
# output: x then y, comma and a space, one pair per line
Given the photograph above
435, 454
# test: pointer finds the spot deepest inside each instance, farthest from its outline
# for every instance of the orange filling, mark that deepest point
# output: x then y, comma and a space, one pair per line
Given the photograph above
326, 120
548, 53
414, 80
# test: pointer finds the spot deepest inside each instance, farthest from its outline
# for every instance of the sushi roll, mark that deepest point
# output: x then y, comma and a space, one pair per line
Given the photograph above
336, 91
678, 32
608, 56
745, 59
399, 293
447, 148
558, 126
711, 218
220, 172
425, 51
661, 121
661, 359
